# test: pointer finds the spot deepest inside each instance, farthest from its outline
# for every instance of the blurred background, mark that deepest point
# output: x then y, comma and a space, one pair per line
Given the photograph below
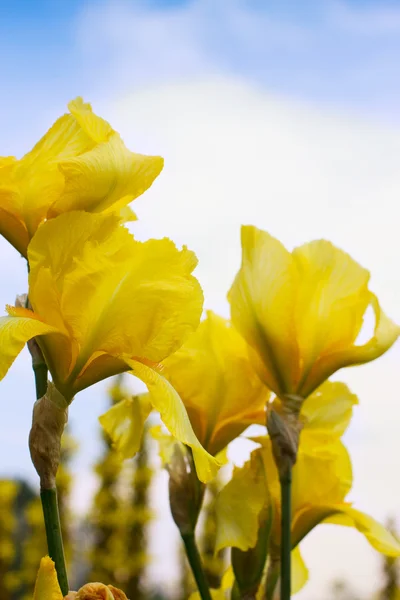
284, 114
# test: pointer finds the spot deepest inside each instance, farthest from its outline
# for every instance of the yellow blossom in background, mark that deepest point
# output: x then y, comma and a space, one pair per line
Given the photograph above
301, 312
322, 478
80, 163
217, 383
104, 303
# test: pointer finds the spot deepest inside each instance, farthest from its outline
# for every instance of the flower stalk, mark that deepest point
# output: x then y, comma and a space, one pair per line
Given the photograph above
193, 555
50, 414
286, 520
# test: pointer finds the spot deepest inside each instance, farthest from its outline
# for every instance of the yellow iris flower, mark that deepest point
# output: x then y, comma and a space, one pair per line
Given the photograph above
322, 478
301, 312
81, 163
47, 588
104, 303
216, 381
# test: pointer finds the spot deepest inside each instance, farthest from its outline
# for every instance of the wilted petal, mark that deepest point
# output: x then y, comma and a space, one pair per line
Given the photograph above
46, 587
262, 307
124, 423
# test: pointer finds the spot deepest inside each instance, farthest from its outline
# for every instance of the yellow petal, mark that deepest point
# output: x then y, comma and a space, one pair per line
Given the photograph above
46, 587
380, 538
299, 571
124, 423
262, 307
107, 177
214, 376
332, 299
126, 214
95, 127
224, 591
111, 294
37, 175
238, 521
13, 229
326, 414
321, 475
385, 334
166, 443
173, 414
15, 331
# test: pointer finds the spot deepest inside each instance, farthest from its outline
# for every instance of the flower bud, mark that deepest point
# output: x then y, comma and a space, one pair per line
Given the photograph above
284, 426
50, 415
97, 591
248, 566
185, 490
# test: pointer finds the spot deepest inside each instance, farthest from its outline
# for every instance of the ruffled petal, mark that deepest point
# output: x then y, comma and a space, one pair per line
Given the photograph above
111, 294
173, 414
107, 177
124, 423
238, 521
15, 331
262, 307
46, 587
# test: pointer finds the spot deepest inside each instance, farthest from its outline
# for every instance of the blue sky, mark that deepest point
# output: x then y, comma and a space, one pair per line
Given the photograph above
343, 53
263, 110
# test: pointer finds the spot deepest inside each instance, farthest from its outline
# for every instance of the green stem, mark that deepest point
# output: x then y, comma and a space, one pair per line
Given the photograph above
194, 559
40, 371
53, 535
286, 521
49, 496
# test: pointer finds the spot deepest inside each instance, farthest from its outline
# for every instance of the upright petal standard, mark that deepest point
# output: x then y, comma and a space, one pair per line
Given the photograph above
301, 312
103, 303
80, 163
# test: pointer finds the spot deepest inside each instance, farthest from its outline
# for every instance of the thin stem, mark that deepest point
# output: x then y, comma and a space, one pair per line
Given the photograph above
286, 521
49, 496
40, 371
194, 559
54, 537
